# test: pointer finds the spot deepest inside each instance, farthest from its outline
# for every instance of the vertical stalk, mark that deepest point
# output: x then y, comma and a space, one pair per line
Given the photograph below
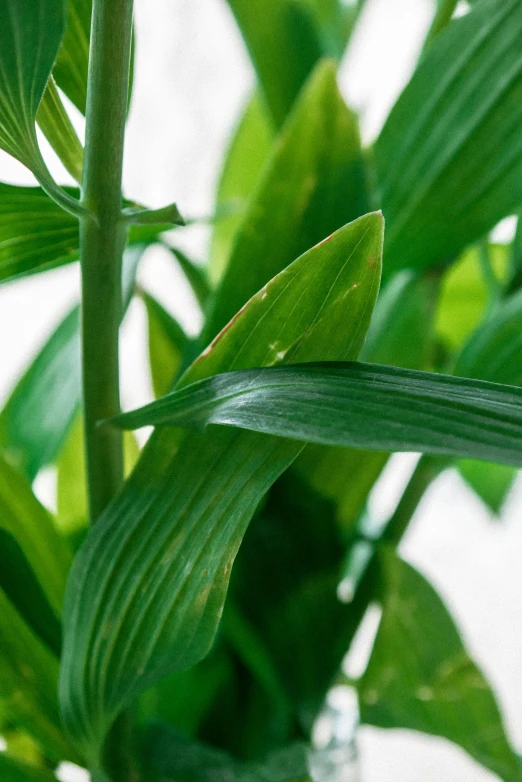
102, 240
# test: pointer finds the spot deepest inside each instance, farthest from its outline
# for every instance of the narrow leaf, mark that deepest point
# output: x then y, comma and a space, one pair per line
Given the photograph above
420, 676
70, 68
492, 482
146, 591
167, 345
314, 182
13, 770
451, 153
55, 124
353, 405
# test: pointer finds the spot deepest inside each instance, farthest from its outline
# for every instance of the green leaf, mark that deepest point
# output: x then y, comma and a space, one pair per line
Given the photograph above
42, 407
23, 589
30, 36
54, 122
420, 676
284, 45
244, 161
167, 344
450, 153
12, 770
171, 537
492, 482
169, 756
196, 276
35, 233
353, 405
314, 183
70, 68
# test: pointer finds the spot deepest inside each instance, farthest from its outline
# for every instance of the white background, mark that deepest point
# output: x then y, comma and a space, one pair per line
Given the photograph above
192, 76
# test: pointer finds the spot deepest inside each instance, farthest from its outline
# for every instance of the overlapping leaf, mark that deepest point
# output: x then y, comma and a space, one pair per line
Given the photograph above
147, 588
314, 182
354, 405
420, 676
450, 153
167, 343
13, 770
70, 68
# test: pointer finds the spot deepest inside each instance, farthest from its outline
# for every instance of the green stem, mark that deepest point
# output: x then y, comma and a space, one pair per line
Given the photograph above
102, 241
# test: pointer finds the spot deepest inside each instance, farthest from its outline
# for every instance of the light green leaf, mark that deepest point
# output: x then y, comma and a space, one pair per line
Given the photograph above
353, 405
160, 556
54, 122
450, 153
35, 233
12, 770
70, 68
44, 403
244, 161
492, 482
420, 676
314, 183
167, 344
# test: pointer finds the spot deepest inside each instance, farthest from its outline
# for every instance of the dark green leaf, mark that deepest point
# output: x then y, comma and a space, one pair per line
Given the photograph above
450, 153
12, 770
21, 586
170, 757
420, 676
167, 344
244, 161
172, 536
35, 233
313, 184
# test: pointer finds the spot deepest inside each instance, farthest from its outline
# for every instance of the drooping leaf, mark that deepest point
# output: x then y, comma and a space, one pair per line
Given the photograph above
492, 482
167, 343
353, 405
13, 770
196, 276
170, 757
43, 405
420, 676
35, 233
70, 68
191, 498
56, 126
244, 161
450, 153
314, 183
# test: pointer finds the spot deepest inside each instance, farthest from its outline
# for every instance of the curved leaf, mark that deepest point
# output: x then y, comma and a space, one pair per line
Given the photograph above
353, 405
70, 68
55, 124
146, 591
419, 673
451, 153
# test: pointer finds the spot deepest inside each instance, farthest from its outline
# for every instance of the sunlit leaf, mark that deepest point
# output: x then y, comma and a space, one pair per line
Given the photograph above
492, 482
190, 499
450, 153
420, 676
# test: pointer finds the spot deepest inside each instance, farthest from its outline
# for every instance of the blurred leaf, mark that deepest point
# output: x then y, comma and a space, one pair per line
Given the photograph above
57, 128
167, 344
314, 183
35, 233
334, 20
44, 403
450, 153
352, 405
284, 45
23, 589
71, 495
171, 757
12, 770
492, 482
70, 68
191, 498
245, 158
30, 35
420, 676
195, 275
